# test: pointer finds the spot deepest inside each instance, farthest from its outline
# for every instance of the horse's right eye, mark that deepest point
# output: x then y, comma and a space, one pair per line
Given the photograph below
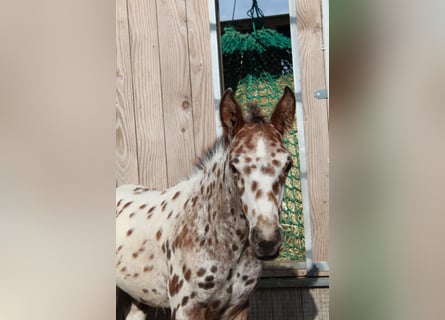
288, 166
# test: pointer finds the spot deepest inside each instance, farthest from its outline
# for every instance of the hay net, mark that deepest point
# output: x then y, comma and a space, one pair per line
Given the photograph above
257, 66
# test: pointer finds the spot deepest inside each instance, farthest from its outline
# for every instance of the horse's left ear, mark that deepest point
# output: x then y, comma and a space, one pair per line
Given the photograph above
284, 113
230, 114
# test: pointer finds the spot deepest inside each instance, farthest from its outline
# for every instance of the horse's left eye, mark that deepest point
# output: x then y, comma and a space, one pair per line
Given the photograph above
234, 170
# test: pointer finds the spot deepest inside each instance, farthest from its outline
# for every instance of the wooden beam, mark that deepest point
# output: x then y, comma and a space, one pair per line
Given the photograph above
296, 282
281, 269
301, 134
316, 122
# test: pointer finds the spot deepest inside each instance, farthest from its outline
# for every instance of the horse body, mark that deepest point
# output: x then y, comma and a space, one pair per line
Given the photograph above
197, 246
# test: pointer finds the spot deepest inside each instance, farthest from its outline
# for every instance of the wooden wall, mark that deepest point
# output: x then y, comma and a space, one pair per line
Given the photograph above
165, 108
165, 117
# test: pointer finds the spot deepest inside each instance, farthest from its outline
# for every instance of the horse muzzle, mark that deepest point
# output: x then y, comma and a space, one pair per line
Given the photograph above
266, 247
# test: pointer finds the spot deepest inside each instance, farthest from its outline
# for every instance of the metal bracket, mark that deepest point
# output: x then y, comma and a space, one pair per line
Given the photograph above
298, 97
321, 94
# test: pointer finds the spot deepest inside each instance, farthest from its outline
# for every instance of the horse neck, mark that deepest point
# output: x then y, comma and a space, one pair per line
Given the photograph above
216, 185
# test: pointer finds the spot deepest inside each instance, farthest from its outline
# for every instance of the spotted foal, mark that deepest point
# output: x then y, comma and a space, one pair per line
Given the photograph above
197, 248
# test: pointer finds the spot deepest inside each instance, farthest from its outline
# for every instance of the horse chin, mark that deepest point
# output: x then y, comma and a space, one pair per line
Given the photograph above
266, 258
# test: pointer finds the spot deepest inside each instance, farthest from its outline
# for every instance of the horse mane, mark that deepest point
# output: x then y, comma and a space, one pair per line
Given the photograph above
220, 143
254, 115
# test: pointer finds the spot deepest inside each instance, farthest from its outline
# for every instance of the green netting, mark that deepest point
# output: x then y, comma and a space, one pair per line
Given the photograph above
265, 90
251, 54
257, 66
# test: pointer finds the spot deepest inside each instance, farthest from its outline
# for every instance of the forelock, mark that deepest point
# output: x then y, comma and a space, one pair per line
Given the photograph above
254, 114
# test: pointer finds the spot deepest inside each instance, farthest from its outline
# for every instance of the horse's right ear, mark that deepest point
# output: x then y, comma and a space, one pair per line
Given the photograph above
284, 114
230, 114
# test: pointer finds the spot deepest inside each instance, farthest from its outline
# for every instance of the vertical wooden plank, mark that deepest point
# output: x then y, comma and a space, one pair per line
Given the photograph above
277, 303
325, 26
144, 47
126, 148
301, 134
316, 303
316, 122
287, 304
176, 91
261, 305
201, 74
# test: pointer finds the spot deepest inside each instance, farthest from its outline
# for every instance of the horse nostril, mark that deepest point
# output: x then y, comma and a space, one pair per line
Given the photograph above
268, 247
255, 235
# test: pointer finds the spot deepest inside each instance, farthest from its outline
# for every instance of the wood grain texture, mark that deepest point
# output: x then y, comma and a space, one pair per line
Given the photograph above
144, 47
316, 122
284, 269
201, 74
126, 144
261, 305
170, 119
176, 91
276, 304
289, 305
316, 304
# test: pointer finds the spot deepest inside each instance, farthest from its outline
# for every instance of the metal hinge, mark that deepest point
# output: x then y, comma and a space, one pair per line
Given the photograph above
321, 94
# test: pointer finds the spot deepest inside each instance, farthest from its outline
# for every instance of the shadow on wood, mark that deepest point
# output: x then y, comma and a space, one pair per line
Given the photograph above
289, 301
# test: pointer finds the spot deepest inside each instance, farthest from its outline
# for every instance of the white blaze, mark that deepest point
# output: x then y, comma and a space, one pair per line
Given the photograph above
261, 148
